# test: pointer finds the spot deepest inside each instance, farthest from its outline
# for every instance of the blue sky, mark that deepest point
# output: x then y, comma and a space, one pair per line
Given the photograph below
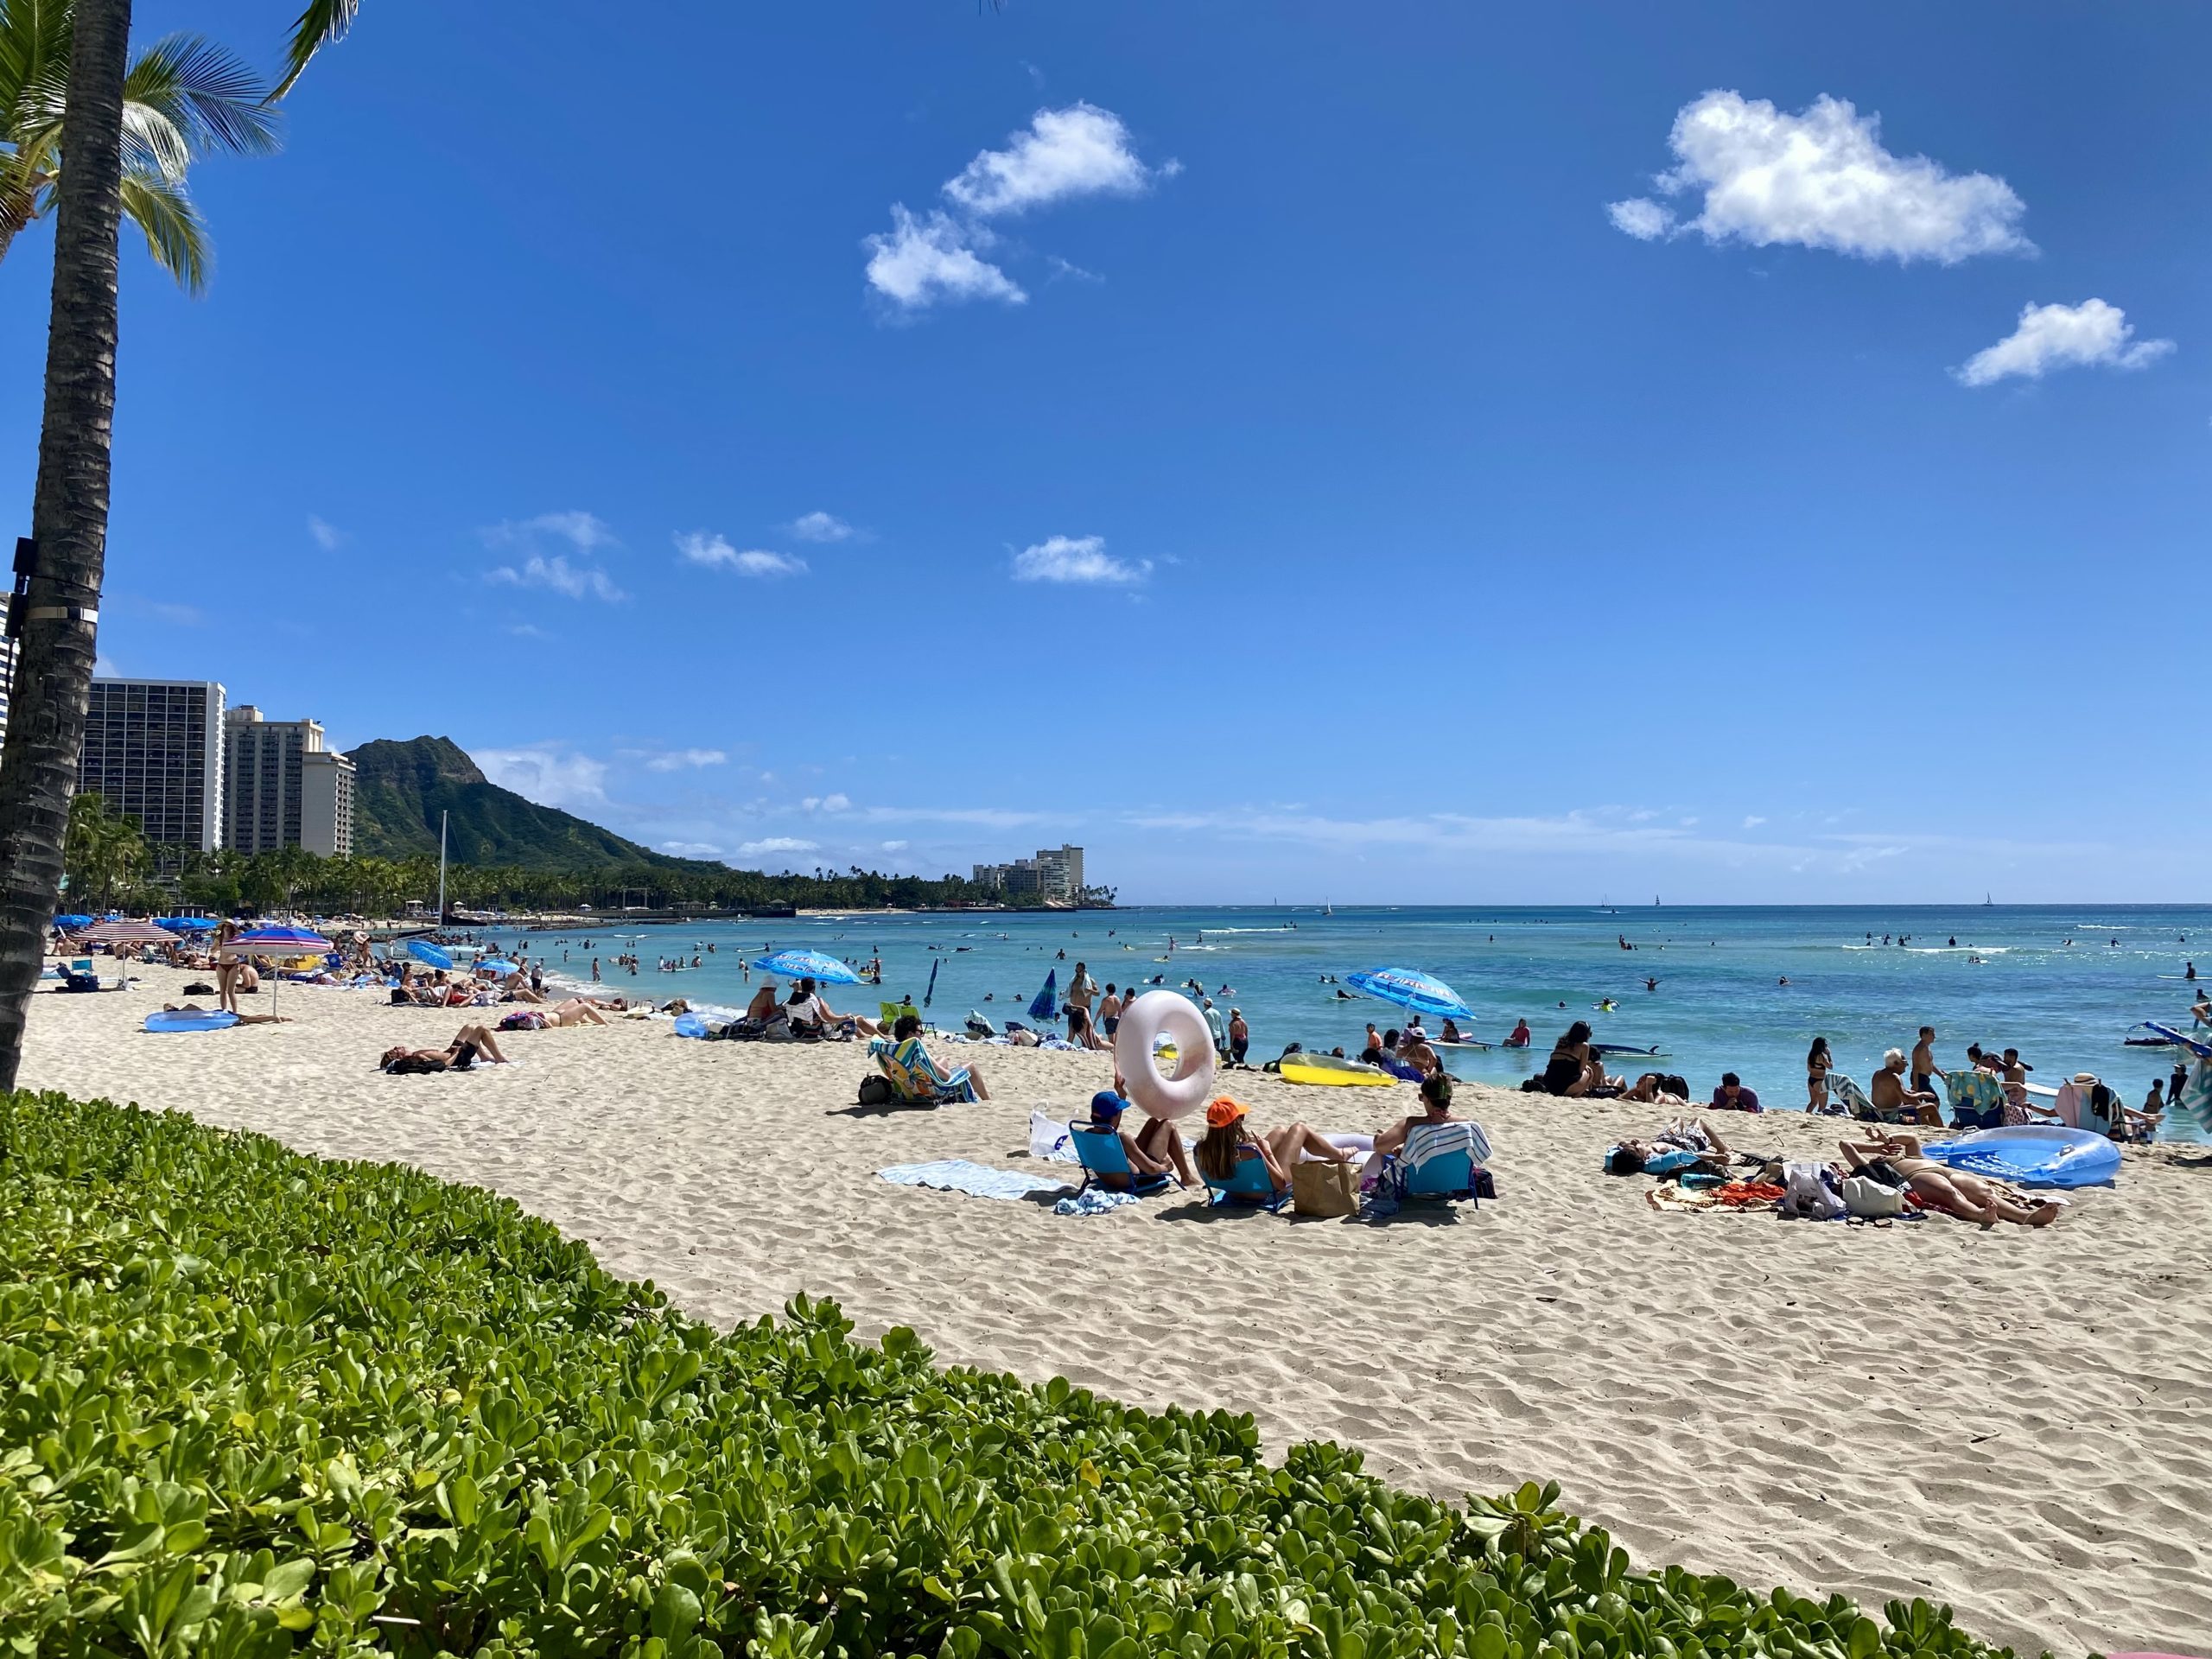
1395, 456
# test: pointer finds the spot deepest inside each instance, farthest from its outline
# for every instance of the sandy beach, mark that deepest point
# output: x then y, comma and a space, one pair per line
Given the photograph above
2011, 1421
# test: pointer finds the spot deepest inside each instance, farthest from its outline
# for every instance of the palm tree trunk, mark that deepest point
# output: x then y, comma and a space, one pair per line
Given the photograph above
54, 670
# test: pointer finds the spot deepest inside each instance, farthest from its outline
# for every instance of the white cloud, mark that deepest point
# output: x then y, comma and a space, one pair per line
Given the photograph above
1821, 179
324, 535
921, 261
546, 774
1081, 151
1641, 217
585, 532
1753, 823
1075, 558
2090, 335
894, 845
821, 527
701, 547
575, 580
775, 844
691, 848
826, 804
678, 760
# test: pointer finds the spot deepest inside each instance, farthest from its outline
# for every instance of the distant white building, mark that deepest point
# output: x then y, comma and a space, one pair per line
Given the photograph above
153, 748
283, 787
1055, 875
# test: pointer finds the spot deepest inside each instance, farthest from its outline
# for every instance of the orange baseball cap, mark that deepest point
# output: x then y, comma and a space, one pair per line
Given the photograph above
1222, 1111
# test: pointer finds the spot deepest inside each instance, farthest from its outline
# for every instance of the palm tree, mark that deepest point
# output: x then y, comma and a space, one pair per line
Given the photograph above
183, 97
68, 539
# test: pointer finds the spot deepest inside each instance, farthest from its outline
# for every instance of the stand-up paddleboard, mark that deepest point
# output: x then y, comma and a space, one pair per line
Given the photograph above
1438, 1042
190, 1019
1327, 1068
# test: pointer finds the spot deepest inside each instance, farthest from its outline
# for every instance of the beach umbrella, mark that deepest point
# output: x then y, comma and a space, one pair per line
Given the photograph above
185, 924
73, 922
429, 954
808, 964
276, 941
497, 965
932, 992
129, 933
1410, 989
1043, 1006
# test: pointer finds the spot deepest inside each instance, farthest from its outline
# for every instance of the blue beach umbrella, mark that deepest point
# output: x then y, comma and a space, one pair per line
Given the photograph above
1043, 1007
497, 965
73, 922
932, 992
808, 964
185, 924
277, 942
431, 955
1410, 989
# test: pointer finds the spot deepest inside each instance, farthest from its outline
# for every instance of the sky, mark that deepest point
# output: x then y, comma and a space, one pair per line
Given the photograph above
1419, 456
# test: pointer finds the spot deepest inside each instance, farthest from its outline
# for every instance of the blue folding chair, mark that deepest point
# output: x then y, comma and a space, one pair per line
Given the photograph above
1100, 1151
1250, 1186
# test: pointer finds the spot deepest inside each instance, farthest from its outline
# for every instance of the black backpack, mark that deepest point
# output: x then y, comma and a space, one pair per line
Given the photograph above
875, 1090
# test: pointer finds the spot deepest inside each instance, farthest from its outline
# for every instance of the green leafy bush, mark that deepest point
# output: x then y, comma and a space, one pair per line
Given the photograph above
252, 1403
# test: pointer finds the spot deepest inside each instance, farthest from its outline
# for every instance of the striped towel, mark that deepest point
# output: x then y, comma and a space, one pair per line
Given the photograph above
1429, 1141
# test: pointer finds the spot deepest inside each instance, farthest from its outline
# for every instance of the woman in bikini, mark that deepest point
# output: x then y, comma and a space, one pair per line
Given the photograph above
1818, 1064
1228, 1142
456, 1056
1896, 1160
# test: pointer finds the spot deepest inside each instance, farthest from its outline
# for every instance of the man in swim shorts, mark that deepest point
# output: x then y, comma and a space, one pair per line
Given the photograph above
1924, 1069
1896, 1160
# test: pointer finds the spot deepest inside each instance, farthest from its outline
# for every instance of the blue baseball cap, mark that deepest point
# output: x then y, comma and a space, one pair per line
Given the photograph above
1106, 1103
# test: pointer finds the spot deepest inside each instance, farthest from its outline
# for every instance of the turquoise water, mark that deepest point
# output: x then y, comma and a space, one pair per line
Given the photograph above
1718, 1006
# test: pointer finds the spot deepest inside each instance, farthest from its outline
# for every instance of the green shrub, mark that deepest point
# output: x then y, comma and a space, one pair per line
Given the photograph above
252, 1403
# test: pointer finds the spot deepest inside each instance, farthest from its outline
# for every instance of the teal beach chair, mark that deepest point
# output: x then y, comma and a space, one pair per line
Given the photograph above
1100, 1151
1854, 1098
1249, 1186
1439, 1160
1977, 1100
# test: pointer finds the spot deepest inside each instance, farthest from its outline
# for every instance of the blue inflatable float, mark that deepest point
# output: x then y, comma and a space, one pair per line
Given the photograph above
2032, 1154
691, 1025
190, 1019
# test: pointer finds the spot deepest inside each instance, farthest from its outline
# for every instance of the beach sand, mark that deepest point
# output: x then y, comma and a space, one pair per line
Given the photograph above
2012, 1421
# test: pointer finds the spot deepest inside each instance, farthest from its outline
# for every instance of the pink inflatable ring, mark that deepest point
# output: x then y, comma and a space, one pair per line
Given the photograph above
1154, 1015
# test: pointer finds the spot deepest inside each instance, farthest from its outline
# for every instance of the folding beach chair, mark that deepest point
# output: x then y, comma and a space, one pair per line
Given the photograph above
1100, 1151
1863, 1109
1977, 1099
889, 1013
1249, 1186
1441, 1160
914, 1077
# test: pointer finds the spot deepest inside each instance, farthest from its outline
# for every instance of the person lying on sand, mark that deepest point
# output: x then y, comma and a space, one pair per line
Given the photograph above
1228, 1142
1632, 1157
576, 1012
1651, 1089
1896, 1160
1156, 1149
457, 1056
243, 1018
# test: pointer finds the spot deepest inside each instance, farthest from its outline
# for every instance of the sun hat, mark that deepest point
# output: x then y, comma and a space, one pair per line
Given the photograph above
1105, 1104
1222, 1111
2084, 1076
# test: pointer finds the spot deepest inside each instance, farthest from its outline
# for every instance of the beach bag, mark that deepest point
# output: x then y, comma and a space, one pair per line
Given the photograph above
1865, 1197
875, 1090
1324, 1189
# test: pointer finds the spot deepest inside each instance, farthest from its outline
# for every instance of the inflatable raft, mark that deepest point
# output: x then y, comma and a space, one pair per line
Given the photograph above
1327, 1068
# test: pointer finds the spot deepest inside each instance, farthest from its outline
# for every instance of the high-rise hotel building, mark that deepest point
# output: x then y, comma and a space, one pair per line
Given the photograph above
284, 788
153, 748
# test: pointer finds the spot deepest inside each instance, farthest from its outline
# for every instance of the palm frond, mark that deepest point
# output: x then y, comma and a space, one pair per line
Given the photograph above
176, 234
211, 98
323, 24
153, 142
34, 48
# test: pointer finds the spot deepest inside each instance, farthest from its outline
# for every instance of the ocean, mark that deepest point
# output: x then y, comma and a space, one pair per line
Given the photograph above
2063, 985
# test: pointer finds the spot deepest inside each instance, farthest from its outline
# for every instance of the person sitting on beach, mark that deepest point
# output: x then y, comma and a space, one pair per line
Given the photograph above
1732, 1097
1436, 1108
1156, 1149
456, 1056
1227, 1143
765, 1004
1890, 1095
1710, 1154
1569, 1071
810, 1016
907, 1028
1896, 1160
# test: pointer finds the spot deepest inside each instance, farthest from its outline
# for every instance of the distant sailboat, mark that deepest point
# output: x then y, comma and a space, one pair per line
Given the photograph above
1988, 903
1327, 909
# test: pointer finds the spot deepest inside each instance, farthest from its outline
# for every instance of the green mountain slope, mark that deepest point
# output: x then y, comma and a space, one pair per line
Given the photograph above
400, 788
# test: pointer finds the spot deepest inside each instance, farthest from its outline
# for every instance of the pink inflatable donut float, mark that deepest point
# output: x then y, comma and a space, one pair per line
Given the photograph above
1168, 1014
